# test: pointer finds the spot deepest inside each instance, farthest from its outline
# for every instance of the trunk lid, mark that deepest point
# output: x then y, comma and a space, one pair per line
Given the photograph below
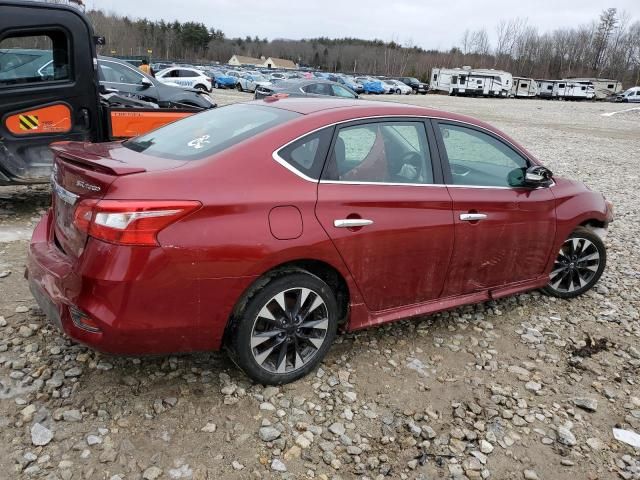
82, 175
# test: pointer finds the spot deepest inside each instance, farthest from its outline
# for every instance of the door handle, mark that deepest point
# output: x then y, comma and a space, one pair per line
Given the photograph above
351, 222
111, 90
472, 217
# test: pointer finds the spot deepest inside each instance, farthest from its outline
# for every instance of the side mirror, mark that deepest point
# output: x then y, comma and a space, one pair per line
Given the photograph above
538, 176
146, 83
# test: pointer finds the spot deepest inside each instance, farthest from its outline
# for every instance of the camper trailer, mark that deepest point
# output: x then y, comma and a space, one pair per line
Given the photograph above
565, 90
468, 81
524, 87
571, 90
546, 88
603, 87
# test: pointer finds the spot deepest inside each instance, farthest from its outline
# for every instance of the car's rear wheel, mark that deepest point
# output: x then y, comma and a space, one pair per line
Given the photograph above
201, 87
239, 87
579, 264
285, 328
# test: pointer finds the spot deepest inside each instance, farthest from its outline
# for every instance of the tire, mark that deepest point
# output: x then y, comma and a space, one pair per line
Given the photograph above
398, 91
215, 85
239, 87
579, 265
259, 323
201, 87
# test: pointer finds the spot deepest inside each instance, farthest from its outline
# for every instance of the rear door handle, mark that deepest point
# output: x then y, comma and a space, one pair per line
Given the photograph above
472, 217
351, 222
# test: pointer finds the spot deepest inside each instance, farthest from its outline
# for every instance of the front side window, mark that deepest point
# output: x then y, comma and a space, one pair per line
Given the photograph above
207, 133
387, 152
34, 58
308, 153
479, 159
116, 73
339, 91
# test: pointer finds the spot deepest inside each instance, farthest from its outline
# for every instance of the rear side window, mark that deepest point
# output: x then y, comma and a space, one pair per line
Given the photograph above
307, 154
210, 132
34, 59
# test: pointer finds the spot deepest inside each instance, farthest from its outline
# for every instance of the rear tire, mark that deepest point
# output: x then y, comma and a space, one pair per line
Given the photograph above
284, 329
579, 265
201, 87
239, 87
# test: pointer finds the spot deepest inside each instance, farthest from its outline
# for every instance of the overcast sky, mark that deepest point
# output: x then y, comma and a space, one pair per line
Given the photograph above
426, 24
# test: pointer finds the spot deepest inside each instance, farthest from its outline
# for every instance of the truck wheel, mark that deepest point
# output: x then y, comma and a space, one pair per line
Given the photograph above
284, 329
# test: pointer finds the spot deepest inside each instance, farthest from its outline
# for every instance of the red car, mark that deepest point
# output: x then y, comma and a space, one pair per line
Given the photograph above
264, 227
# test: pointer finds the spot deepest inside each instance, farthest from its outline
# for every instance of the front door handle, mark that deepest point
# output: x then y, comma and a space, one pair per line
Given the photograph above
472, 217
351, 222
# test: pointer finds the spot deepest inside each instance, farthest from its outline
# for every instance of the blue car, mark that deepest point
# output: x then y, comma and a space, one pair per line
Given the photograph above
220, 80
371, 85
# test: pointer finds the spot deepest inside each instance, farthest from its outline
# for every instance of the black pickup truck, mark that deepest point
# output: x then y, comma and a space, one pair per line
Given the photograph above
53, 87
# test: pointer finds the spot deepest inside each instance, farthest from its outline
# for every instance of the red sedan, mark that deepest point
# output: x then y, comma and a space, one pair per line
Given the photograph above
264, 227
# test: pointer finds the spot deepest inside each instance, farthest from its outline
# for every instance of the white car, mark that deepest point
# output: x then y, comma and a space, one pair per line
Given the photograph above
185, 78
250, 81
399, 87
632, 95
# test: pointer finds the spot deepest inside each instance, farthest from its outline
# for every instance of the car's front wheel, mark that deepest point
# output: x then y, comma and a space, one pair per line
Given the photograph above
284, 329
579, 264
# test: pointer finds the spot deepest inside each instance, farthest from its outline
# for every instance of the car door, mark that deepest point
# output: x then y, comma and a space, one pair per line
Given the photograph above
125, 80
503, 230
382, 203
339, 91
188, 78
42, 105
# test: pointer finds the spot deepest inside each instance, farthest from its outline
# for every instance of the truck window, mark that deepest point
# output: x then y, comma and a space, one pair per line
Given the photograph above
22, 58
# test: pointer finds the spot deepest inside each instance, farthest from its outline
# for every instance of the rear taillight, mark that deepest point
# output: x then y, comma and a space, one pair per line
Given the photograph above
129, 222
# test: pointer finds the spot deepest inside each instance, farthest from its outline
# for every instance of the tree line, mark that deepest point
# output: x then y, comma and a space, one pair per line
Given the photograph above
609, 46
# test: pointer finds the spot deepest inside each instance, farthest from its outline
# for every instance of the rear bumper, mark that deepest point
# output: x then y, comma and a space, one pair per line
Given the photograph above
143, 300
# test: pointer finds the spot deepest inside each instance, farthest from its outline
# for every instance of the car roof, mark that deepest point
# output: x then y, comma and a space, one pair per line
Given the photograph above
338, 110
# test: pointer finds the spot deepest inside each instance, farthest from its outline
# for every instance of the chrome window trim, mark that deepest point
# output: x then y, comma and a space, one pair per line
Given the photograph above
276, 154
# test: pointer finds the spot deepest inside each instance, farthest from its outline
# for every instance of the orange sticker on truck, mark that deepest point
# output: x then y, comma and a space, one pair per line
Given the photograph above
51, 119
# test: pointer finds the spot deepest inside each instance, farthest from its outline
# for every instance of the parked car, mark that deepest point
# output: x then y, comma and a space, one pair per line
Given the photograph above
118, 76
631, 95
305, 88
248, 82
398, 87
350, 82
185, 77
417, 85
222, 80
264, 226
371, 85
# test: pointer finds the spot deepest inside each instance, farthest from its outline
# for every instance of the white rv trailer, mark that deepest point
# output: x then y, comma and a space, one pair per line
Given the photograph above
468, 81
524, 87
546, 88
565, 90
570, 90
604, 87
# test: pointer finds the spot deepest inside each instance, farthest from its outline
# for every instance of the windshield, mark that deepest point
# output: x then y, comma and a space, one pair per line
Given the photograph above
258, 77
210, 132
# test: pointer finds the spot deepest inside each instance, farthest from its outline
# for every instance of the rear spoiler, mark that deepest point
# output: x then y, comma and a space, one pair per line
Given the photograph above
75, 152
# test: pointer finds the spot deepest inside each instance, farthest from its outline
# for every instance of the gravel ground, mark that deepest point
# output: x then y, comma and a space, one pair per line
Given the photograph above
525, 387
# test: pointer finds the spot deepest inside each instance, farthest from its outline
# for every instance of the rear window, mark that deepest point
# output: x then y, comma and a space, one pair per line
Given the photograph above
210, 132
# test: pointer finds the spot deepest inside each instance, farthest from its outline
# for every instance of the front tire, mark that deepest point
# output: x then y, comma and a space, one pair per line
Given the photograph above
579, 265
285, 328
239, 87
